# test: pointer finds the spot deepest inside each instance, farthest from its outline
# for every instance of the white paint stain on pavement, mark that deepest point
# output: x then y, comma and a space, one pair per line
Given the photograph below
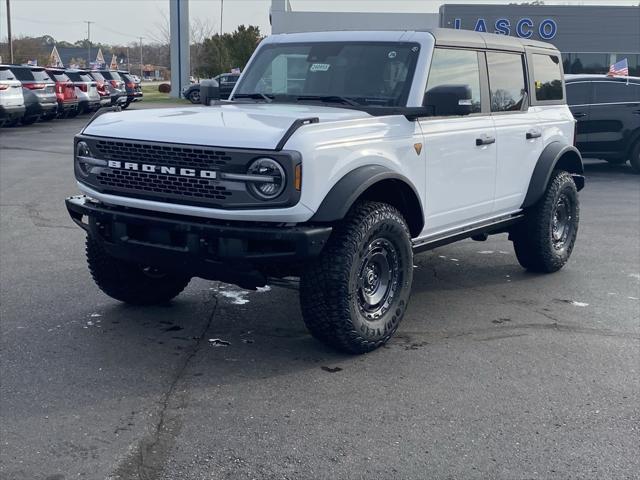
239, 297
486, 252
578, 304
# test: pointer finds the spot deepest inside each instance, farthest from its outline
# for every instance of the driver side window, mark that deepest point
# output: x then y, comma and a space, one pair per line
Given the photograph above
451, 68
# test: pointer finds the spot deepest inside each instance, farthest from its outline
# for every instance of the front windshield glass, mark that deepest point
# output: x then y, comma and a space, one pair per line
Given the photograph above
354, 73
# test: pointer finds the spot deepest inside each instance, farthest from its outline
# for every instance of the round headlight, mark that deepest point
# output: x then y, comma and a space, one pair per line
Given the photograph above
82, 150
275, 178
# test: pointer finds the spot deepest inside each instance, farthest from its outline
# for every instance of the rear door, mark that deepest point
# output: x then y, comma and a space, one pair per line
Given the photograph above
614, 117
518, 136
460, 150
580, 98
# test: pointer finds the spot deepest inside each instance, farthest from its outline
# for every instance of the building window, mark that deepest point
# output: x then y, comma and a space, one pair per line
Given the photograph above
598, 62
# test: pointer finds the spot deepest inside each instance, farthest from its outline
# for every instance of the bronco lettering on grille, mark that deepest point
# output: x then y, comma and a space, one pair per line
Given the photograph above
145, 167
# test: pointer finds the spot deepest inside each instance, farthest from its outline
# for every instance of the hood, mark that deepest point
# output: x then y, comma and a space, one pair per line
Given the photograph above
252, 126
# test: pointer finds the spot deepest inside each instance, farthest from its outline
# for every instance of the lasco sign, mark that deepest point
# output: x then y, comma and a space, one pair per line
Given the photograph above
523, 28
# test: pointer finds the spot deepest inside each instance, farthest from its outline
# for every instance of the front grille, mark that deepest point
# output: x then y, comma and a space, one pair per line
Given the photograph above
143, 172
154, 183
170, 155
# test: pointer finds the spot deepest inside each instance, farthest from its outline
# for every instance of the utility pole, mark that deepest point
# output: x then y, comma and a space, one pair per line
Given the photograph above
221, 12
88, 40
141, 72
9, 38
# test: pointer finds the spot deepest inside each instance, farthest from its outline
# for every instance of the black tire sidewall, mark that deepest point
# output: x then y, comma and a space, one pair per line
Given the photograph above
568, 189
386, 325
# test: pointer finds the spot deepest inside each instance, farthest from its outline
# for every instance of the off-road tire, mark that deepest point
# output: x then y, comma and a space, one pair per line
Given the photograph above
536, 248
331, 286
130, 282
634, 160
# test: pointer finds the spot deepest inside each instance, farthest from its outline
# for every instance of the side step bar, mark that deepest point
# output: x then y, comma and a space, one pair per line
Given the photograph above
494, 226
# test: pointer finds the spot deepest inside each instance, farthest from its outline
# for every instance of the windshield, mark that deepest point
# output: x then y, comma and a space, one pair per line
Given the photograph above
354, 73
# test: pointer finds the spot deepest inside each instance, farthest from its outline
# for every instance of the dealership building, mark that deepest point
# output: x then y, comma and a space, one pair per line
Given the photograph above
590, 37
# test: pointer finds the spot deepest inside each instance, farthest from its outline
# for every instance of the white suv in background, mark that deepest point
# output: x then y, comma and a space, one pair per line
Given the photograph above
11, 97
338, 156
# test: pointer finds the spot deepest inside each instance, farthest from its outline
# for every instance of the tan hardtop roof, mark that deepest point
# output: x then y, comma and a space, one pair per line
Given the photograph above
467, 38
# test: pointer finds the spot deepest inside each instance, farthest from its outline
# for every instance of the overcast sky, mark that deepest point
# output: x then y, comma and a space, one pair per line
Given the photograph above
122, 21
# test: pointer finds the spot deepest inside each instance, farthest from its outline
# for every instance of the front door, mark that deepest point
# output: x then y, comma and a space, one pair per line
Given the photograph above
460, 150
614, 117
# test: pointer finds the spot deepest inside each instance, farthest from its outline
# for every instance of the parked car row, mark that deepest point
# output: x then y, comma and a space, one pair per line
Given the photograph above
29, 94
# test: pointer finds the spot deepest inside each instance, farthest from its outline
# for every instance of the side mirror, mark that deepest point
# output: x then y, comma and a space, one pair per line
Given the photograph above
209, 91
447, 100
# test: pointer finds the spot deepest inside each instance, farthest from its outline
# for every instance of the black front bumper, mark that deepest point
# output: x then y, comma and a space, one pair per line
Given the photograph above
236, 252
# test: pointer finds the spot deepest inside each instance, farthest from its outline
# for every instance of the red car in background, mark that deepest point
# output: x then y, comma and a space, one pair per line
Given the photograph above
65, 93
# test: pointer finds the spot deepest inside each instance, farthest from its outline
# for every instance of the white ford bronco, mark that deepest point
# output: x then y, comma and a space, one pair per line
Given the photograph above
337, 157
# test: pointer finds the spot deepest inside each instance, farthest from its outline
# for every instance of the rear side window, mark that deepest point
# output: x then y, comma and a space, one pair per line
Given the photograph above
74, 76
85, 77
506, 81
6, 74
40, 76
23, 74
450, 67
60, 76
98, 76
579, 93
616, 92
548, 77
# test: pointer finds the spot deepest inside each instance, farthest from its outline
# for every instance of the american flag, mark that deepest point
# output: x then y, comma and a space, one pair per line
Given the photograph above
619, 69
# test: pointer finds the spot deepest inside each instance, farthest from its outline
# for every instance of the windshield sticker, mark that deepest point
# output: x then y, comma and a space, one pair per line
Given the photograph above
392, 54
320, 67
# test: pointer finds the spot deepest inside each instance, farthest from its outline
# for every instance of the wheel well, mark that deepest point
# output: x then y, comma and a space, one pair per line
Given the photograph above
570, 162
401, 196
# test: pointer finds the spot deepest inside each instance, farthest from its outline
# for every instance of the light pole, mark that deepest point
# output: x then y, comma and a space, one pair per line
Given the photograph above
88, 40
221, 12
9, 38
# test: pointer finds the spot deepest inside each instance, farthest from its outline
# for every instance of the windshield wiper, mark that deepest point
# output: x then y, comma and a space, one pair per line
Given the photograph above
256, 95
330, 99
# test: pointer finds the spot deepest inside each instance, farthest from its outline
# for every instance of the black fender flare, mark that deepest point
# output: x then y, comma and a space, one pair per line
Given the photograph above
349, 188
556, 152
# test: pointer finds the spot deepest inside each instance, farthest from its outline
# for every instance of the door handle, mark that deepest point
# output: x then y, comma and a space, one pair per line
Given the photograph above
533, 134
485, 140
579, 115
636, 112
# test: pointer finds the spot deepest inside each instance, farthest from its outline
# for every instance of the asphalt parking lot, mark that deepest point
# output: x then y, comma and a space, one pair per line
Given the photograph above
494, 373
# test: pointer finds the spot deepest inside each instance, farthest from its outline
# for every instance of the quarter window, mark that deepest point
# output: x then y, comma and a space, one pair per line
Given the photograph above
548, 77
451, 67
616, 92
506, 81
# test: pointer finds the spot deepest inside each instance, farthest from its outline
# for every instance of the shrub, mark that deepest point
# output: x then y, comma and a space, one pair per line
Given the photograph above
164, 88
